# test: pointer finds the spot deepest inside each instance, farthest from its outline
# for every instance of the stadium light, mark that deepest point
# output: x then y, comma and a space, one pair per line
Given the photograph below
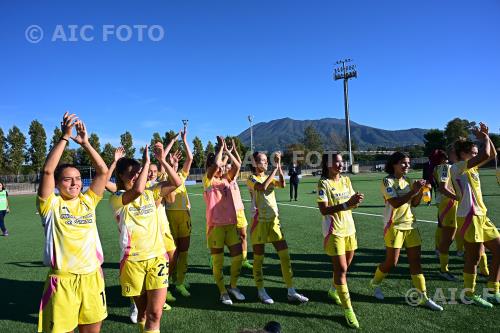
345, 73
250, 120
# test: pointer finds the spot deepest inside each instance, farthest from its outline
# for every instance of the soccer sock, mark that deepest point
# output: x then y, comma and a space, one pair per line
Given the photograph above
182, 262
459, 242
140, 325
244, 254
258, 275
152, 331
235, 269
493, 287
469, 283
343, 293
419, 283
443, 261
378, 277
483, 264
218, 263
286, 267
437, 237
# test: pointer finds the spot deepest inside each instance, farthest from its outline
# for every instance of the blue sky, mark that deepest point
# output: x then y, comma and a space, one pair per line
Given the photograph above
420, 64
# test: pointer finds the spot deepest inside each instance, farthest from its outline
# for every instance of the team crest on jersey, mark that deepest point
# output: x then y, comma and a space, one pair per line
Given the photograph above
321, 192
389, 190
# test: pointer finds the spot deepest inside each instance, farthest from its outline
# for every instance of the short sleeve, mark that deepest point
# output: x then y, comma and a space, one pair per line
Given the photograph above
45, 205
183, 174
116, 201
206, 182
92, 197
322, 192
156, 189
388, 189
460, 167
251, 182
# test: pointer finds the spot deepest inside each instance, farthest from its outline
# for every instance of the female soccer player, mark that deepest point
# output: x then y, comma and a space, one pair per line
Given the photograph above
266, 226
144, 263
178, 213
74, 290
447, 210
400, 195
219, 193
4, 208
336, 199
472, 222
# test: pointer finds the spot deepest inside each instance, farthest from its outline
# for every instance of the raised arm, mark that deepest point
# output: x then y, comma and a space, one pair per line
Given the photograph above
236, 164
98, 184
119, 153
484, 154
173, 181
140, 184
189, 155
277, 159
235, 150
218, 158
167, 149
47, 183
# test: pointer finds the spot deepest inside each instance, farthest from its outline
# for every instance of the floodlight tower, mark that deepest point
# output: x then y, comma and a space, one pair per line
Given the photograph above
250, 120
343, 72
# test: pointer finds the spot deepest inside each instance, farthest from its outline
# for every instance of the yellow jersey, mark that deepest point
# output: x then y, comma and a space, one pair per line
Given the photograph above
160, 207
468, 190
181, 201
334, 193
400, 218
263, 202
140, 231
72, 242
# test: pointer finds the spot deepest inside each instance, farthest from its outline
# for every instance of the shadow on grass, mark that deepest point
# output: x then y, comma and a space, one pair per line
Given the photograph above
20, 300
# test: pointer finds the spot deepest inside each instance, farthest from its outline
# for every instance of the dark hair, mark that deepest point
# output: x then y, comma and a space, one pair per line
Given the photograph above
326, 162
437, 156
210, 160
462, 145
3, 186
255, 155
121, 166
394, 159
60, 168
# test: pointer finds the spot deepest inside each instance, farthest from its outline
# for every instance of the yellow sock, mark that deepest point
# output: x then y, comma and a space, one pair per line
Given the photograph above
258, 275
493, 287
152, 331
343, 293
286, 267
483, 265
140, 325
459, 242
469, 283
379, 276
419, 282
218, 263
437, 237
182, 262
443, 261
244, 254
235, 269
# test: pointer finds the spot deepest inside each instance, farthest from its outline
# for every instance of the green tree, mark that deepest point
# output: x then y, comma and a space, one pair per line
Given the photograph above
295, 150
156, 138
16, 149
242, 149
312, 139
457, 128
69, 155
82, 158
209, 148
2, 151
127, 144
198, 153
38, 148
108, 154
434, 139
495, 138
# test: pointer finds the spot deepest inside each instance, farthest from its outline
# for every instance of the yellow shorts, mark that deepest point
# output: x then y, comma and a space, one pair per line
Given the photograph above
447, 214
219, 236
241, 219
168, 241
338, 246
70, 300
139, 276
180, 223
262, 232
477, 229
402, 238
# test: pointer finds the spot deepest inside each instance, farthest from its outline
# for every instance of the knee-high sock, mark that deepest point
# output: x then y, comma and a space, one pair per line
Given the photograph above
258, 276
443, 261
419, 283
378, 277
493, 287
343, 293
469, 283
235, 269
483, 264
140, 325
152, 331
437, 237
182, 262
218, 262
286, 267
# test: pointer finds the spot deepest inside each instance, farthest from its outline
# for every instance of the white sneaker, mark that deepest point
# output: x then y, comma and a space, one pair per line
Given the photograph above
133, 313
448, 276
264, 297
236, 293
377, 292
225, 299
296, 297
430, 304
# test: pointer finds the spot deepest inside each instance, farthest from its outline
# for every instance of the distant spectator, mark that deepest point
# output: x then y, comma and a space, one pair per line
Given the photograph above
294, 173
4, 208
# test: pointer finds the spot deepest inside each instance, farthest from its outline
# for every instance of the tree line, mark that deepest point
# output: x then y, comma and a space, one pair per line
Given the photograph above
21, 154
